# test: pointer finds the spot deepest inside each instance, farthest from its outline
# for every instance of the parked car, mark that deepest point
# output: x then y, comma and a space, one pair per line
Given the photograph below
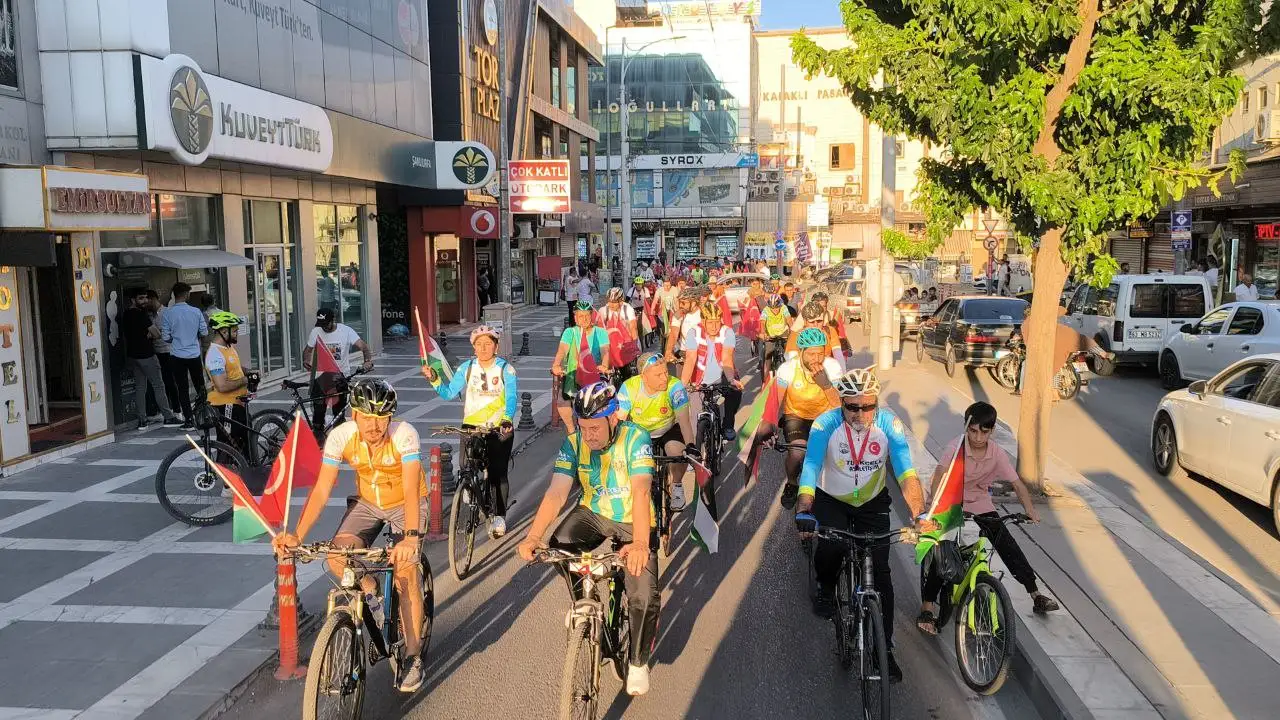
1226, 429
736, 286
845, 294
1133, 316
969, 329
1200, 350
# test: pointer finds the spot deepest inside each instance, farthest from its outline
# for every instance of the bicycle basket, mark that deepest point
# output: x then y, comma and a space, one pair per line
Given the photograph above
945, 562
205, 416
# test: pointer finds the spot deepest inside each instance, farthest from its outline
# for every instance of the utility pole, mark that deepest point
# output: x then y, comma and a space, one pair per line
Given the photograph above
795, 267
625, 172
782, 174
888, 216
505, 281
607, 252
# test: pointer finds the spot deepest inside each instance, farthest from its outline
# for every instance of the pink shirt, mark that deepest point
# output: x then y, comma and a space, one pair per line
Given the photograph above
981, 468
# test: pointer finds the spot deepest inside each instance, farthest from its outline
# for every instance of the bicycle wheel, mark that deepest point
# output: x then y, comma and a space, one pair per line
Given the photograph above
270, 427
462, 527
190, 490
873, 661
1006, 371
662, 514
580, 684
984, 635
844, 618
335, 673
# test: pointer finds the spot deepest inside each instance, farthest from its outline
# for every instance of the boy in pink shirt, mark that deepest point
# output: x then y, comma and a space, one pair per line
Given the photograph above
984, 463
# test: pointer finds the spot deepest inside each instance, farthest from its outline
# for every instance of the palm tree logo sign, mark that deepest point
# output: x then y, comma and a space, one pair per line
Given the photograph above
470, 166
191, 110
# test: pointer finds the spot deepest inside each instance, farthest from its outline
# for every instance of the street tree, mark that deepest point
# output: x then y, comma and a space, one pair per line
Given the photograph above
1069, 118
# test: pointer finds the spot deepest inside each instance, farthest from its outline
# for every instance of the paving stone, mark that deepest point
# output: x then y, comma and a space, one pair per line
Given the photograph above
96, 520
65, 478
13, 507
171, 580
26, 570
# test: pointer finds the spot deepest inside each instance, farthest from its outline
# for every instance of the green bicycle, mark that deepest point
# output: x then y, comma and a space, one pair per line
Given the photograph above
984, 630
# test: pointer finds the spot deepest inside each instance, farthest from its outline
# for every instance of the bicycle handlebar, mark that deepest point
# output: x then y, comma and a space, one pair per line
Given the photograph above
313, 551
555, 555
1017, 518
907, 535
469, 432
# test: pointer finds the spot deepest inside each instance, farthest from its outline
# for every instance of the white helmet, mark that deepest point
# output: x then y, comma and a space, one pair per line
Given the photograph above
861, 381
484, 330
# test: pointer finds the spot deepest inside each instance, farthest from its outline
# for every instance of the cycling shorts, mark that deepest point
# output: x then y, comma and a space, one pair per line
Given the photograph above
795, 428
365, 520
673, 434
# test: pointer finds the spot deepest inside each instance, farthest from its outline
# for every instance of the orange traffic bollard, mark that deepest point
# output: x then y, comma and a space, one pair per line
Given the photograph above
435, 488
287, 600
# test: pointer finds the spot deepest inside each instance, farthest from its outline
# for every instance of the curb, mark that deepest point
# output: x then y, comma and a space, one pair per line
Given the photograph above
307, 628
1042, 681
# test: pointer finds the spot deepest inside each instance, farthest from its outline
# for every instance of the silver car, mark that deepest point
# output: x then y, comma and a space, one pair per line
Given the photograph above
736, 288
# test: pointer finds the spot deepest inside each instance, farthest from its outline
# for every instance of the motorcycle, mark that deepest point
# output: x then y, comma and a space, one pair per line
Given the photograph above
1071, 376
1067, 381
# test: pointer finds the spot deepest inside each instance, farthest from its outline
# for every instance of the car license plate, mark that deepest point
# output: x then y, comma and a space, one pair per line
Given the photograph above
1144, 334
1080, 366
1001, 353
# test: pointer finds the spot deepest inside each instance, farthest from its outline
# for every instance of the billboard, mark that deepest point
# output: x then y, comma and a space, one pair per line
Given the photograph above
539, 186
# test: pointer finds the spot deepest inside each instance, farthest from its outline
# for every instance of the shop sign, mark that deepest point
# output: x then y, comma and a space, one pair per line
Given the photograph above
539, 186
449, 165
647, 247
195, 116
483, 222
693, 161
73, 200
1267, 231
819, 213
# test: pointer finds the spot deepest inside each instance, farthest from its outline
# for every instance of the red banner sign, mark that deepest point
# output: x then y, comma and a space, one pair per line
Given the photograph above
539, 186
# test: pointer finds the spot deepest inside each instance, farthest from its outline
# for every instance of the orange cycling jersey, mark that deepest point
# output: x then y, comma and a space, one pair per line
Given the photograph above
379, 471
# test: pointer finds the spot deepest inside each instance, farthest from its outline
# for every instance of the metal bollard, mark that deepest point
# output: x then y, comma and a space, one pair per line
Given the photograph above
443, 340
524, 344
447, 481
526, 412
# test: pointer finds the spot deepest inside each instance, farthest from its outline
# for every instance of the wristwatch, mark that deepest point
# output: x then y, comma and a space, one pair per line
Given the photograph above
412, 533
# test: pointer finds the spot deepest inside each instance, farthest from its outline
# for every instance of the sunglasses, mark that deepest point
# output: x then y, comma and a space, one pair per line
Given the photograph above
860, 408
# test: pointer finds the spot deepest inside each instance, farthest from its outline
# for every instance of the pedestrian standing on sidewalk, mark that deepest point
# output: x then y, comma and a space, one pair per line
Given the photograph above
483, 284
139, 335
1246, 290
984, 463
571, 294
167, 371
185, 328
586, 289
338, 339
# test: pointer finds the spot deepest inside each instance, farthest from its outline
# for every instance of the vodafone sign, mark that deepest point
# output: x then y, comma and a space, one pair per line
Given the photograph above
483, 223
539, 186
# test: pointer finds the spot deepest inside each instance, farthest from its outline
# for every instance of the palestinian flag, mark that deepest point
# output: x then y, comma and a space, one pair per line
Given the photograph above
947, 507
706, 517
247, 520
431, 353
323, 362
760, 424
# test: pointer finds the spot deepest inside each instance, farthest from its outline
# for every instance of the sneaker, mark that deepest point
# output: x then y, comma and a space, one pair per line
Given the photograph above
187, 425
142, 424
637, 680
375, 608
895, 672
676, 499
174, 421
155, 418
413, 676
497, 526
1042, 604
730, 433
789, 494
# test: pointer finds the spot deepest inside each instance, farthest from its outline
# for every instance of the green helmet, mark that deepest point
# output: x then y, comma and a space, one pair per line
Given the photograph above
639, 280
811, 337
583, 306
223, 320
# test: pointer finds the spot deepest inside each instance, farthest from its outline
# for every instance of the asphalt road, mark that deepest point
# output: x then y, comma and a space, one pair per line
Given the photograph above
737, 637
1105, 434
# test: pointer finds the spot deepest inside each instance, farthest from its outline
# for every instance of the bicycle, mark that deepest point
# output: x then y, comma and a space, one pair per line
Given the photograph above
599, 628
772, 360
858, 621
662, 498
709, 426
472, 497
337, 669
274, 424
984, 629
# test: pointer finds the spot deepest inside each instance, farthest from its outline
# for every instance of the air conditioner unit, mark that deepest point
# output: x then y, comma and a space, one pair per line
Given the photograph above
774, 175
524, 230
1266, 129
850, 179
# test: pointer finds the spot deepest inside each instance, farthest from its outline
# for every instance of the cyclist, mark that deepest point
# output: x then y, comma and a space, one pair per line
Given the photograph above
229, 383
659, 403
339, 339
488, 386
619, 321
805, 391
570, 354
775, 326
686, 317
843, 485
984, 463
613, 462
390, 489
834, 325
708, 360
811, 316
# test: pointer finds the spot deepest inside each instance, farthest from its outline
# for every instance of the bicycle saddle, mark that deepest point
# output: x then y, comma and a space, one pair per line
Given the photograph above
296, 385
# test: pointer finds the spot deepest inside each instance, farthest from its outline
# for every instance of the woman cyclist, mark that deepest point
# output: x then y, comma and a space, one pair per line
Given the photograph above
659, 403
805, 391
582, 342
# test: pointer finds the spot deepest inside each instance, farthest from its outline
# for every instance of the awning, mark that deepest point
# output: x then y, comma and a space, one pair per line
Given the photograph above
181, 258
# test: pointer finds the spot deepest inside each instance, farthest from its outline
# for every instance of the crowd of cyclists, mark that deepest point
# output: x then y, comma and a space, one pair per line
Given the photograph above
630, 379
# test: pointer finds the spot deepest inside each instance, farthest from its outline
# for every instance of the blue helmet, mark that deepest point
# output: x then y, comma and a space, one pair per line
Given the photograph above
810, 338
596, 400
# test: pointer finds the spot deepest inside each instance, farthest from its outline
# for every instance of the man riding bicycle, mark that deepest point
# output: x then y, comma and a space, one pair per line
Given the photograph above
685, 319
806, 390
843, 485
488, 386
708, 360
811, 316
613, 462
775, 326
659, 403
391, 489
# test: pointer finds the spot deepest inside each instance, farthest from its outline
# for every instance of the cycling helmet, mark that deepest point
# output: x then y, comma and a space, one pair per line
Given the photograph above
819, 296
811, 338
861, 381
583, 306
775, 300
811, 312
484, 330
710, 311
638, 280
647, 360
614, 295
594, 401
373, 397
223, 320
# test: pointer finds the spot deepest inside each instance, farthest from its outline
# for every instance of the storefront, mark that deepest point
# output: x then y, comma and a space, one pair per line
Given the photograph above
461, 241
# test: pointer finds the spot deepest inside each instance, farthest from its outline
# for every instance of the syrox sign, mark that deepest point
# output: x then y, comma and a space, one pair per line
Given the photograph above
539, 186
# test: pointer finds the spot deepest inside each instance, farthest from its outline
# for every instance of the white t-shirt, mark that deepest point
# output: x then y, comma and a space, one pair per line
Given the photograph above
624, 311
690, 321
571, 290
585, 287
1212, 276
696, 336
339, 343
1246, 292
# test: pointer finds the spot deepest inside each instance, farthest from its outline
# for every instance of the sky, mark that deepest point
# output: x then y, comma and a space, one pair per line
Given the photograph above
790, 14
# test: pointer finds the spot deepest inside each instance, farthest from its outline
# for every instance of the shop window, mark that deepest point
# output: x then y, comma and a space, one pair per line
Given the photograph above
1262, 97
1244, 101
8, 46
564, 143
554, 60
176, 221
340, 281
842, 157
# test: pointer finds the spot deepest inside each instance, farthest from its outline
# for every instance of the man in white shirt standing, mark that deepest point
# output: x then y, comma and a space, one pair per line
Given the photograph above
338, 339
1246, 290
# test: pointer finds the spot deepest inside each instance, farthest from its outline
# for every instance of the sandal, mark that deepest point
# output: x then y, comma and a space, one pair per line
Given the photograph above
927, 623
1043, 604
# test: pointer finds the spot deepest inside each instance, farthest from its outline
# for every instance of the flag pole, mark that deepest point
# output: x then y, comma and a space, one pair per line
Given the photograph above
249, 502
293, 463
422, 338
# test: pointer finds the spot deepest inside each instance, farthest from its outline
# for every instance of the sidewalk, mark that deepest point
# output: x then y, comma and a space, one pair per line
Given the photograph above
110, 610
540, 321
1148, 629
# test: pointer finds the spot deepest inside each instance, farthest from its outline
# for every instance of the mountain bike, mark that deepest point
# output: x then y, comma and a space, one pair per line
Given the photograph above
599, 628
663, 513
273, 424
984, 629
858, 621
710, 426
337, 669
472, 500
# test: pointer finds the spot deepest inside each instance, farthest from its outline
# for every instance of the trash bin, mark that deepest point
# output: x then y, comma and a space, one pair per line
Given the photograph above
498, 315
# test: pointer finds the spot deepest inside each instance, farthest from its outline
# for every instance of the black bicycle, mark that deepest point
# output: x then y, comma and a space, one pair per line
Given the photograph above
472, 500
858, 621
772, 360
663, 514
337, 669
710, 426
599, 628
273, 425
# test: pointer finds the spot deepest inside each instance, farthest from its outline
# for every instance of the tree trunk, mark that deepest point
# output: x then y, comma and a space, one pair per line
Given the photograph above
1038, 331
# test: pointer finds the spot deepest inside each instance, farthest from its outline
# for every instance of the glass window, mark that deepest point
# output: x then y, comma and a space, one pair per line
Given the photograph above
1269, 392
8, 46
268, 222
340, 280
1186, 301
1212, 323
1148, 301
995, 309
1247, 321
1107, 301
1241, 382
127, 239
571, 89
187, 220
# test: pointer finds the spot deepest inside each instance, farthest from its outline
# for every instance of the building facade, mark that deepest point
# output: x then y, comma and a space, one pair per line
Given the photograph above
236, 147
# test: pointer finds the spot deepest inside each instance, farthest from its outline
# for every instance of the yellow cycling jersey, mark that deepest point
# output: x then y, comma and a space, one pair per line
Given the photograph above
655, 412
606, 476
380, 471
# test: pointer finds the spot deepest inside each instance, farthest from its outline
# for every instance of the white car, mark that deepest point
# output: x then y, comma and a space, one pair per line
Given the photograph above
1135, 314
1226, 429
1200, 350
736, 286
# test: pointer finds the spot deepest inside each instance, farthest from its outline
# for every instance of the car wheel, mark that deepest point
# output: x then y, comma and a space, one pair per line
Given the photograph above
1164, 449
1275, 503
949, 361
1170, 371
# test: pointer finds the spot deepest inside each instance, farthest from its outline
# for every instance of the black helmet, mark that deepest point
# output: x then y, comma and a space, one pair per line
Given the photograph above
373, 397
811, 312
819, 296
595, 401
